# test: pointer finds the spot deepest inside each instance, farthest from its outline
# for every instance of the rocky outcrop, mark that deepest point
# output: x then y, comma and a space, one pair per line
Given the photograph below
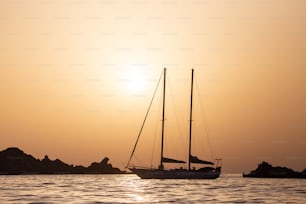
103, 167
55, 166
266, 170
15, 161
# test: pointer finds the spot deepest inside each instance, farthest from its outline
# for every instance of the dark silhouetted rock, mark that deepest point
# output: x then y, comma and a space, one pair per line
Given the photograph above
15, 161
55, 166
266, 170
103, 167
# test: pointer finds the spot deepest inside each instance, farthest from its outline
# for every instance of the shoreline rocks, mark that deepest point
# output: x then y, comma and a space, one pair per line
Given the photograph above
14, 161
266, 170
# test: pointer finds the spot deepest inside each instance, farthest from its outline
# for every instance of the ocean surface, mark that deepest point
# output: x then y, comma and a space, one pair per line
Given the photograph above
229, 188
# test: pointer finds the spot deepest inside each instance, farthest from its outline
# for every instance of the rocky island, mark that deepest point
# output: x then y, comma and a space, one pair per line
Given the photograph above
266, 170
14, 161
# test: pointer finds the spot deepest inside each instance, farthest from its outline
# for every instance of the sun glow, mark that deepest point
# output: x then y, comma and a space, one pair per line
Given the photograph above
134, 82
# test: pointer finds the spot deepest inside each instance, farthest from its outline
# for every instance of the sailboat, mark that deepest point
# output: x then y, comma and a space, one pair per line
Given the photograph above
212, 171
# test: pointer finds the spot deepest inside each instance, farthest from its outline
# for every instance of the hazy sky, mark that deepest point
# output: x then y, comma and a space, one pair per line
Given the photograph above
76, 78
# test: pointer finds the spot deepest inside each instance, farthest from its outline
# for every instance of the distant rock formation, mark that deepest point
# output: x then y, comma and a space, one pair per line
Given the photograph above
102, 167
55, 166
15, 161
266, 170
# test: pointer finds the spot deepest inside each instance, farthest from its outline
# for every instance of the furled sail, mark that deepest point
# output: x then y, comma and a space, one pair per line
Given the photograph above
169, 160
194, 159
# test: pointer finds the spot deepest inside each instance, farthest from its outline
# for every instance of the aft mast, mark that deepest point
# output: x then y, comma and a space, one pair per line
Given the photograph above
161, 166
190, 121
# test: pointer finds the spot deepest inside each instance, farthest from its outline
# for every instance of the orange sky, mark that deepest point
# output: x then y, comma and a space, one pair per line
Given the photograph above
76, 78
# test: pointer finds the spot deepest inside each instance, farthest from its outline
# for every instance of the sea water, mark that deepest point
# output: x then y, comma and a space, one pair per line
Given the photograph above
229, 188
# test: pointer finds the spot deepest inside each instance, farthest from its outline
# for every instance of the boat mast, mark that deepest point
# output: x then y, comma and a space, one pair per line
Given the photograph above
190, 119
161, 166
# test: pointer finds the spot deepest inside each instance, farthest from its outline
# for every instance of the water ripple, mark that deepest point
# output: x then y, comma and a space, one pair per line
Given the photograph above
96, 189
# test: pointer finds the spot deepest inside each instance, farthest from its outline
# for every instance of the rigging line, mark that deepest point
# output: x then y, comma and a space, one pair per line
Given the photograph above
174, 107
138, 160
203, 118
155, 132
143, 123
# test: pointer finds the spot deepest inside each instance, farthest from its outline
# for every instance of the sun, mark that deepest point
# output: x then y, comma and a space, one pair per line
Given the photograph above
134, 82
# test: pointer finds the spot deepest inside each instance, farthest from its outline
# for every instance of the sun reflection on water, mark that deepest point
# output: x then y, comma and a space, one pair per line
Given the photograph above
137, 189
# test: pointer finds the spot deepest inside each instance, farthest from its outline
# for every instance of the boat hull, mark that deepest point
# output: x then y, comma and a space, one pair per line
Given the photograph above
175, 174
